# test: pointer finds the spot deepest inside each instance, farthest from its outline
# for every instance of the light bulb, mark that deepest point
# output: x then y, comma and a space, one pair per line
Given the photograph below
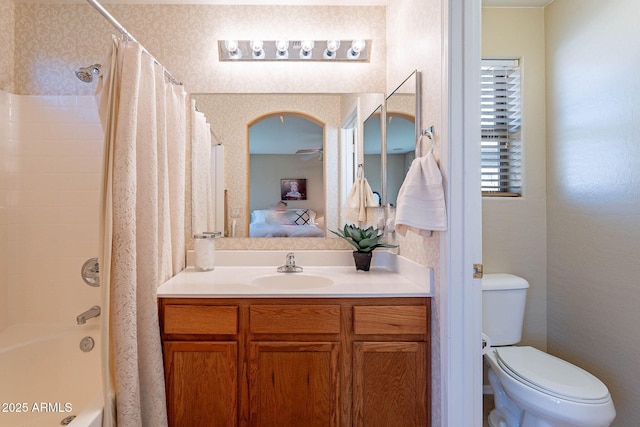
256, 48
282, 49
332, 48
232, 48
356, 48
306, 46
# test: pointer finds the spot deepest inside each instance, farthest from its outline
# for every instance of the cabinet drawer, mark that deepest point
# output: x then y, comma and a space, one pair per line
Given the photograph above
200, 319
294, 319
396, 320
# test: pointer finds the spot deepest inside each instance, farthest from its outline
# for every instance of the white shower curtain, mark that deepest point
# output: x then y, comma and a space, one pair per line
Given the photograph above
201, 172
143, 227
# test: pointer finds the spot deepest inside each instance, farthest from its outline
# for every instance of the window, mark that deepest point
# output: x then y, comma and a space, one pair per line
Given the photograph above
501, 145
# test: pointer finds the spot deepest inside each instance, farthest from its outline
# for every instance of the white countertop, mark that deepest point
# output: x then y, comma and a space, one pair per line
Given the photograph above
390, 276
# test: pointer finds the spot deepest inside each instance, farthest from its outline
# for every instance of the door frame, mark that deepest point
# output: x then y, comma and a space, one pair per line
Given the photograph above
461, 245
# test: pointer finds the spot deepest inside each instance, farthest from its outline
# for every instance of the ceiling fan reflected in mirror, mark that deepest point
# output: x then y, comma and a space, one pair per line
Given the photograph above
310, 153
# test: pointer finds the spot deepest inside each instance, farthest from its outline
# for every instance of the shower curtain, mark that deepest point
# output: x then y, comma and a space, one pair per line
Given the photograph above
143, 227
201, 172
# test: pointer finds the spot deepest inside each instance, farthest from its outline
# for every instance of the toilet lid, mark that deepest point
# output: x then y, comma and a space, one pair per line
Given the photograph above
551, 375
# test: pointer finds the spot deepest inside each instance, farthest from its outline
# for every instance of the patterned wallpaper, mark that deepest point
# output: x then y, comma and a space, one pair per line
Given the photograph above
7, 42
54, 39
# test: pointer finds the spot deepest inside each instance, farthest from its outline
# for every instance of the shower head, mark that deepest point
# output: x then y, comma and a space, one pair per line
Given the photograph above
86, 74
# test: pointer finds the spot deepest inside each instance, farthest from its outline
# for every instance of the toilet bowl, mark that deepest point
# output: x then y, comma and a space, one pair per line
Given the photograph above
532, 388
535, 389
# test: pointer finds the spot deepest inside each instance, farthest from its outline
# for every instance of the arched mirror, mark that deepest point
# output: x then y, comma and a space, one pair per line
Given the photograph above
286, 194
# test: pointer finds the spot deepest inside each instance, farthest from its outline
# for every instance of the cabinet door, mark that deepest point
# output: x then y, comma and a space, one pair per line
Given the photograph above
389, 384
201, 384
294, 384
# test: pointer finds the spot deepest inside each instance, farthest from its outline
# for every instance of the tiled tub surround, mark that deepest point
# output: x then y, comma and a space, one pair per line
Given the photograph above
50, 174
236, 271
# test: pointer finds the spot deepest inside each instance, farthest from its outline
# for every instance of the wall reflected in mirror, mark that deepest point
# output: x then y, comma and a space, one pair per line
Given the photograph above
372, 152
400, 152
403, 121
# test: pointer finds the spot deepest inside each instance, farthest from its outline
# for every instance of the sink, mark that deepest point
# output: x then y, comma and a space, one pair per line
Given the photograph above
292, 281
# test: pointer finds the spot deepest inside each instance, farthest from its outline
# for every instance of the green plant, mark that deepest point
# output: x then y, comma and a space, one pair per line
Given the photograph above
364, 240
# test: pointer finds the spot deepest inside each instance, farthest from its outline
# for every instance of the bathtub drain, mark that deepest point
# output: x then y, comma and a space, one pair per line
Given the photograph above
66, 421
87, 344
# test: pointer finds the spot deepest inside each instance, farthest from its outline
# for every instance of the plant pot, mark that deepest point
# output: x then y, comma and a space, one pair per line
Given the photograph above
363, 260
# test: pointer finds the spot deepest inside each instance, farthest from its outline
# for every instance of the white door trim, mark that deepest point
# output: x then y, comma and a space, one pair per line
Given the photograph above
461, 246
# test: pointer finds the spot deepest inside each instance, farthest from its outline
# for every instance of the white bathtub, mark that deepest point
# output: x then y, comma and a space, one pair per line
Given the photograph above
45, 377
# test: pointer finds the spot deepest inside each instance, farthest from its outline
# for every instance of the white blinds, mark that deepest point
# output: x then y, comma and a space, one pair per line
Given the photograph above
501, 146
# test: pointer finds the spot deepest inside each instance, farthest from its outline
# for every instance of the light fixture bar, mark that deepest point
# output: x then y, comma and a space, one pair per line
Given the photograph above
294, 50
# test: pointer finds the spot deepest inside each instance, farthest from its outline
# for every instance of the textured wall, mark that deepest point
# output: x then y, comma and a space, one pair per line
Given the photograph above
55, 39
514, 238
7, 41
593, 162
414, 40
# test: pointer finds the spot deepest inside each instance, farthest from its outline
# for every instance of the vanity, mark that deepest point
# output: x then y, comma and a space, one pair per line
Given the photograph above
330, 346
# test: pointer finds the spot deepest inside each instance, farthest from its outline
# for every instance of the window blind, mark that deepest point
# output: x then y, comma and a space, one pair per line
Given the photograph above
501, 145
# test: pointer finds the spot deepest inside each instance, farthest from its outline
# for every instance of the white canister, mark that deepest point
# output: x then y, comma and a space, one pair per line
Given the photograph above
205, 250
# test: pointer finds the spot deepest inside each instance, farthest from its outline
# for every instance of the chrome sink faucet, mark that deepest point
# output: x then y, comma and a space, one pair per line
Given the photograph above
92, 312
290, 265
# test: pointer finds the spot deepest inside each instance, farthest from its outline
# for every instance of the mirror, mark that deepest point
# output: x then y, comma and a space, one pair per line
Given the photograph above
231, 116
372, 152
402, 130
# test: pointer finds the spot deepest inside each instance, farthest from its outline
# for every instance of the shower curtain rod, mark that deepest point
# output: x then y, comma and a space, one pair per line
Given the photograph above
118, 26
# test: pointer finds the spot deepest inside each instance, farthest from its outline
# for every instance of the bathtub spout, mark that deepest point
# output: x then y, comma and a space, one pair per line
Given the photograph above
92, 312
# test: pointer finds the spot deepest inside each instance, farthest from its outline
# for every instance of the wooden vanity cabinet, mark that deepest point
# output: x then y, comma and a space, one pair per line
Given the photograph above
390, 366
297, 362
200, 346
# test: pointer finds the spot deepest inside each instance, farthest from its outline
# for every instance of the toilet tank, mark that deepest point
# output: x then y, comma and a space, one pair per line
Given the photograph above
503, 301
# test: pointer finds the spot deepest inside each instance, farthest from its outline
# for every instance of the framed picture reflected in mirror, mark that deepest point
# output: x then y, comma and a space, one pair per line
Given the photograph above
293, 189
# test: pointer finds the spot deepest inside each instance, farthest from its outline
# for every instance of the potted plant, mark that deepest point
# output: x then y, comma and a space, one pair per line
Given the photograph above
365, 241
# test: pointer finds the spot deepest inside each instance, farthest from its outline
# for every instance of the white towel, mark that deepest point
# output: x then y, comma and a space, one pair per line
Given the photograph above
360, 197
421, 205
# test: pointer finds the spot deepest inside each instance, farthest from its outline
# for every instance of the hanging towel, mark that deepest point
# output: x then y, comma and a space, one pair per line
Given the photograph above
421, 199
360, 197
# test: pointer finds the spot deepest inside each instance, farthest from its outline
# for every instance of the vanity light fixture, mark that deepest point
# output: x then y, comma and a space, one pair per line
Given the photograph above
233, 49
306, 48
332, 48
356, 47
295, 50
256, 49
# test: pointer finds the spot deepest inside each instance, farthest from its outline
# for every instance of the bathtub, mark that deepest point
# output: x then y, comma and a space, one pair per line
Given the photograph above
46, 379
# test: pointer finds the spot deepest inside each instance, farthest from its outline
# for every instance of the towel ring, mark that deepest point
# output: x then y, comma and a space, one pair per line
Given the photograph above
429, 134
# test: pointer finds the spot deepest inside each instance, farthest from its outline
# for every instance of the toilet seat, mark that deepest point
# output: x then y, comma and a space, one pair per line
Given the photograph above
551, 375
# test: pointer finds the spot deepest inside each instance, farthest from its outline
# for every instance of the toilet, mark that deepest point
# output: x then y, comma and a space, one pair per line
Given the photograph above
532, 388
